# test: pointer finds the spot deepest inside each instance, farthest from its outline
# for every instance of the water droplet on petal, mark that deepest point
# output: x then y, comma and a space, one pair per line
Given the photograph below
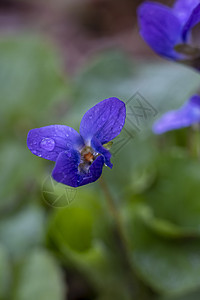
47, 144
90, 117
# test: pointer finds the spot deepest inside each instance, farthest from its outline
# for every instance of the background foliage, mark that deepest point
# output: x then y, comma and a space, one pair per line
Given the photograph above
60, 250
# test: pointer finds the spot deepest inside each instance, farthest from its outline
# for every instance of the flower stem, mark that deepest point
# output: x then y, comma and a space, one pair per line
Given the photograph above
115, 214
195, 141
134, 283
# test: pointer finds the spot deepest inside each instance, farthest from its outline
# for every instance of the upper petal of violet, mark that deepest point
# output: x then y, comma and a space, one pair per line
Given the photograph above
49, 141
104, 121
160, 28
187, 115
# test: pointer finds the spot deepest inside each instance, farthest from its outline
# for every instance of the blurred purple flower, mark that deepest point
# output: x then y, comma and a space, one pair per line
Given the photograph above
168, 31
187, 115
80, 157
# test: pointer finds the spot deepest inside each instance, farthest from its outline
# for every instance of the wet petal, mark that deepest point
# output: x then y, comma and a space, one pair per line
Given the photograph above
66, 169
94, 173
160, 28
187, 115
49, 141
103, 121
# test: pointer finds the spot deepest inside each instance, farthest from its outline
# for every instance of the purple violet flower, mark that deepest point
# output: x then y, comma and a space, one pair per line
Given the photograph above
80, 157
185, 116
168, 31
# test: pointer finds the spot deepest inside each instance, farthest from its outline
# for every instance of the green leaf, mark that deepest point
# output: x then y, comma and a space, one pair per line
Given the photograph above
22, 231
81, 235
113, 74
175, 196
189, 296
22, 171
40, 278
160, 226
5, 273
30, 79
169, 267
30, 83
164, 228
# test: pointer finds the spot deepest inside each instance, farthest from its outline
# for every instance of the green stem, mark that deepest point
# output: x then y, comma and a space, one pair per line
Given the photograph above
194, 141
116, 216
136, 287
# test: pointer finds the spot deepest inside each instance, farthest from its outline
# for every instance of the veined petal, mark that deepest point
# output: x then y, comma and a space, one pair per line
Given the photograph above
187, 115
49, 141
104, 121
160, 28
97, 146
66, 169
193, 20
94, 173
184, 8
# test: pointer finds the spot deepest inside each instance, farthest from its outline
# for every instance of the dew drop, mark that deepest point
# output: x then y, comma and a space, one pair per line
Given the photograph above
47, 144
90, 117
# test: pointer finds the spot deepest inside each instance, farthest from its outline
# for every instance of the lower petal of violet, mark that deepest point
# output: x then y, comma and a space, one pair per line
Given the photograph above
67, 171
94, 173
66, 168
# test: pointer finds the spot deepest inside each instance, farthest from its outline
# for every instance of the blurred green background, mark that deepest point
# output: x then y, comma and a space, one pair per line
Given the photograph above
58, 59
